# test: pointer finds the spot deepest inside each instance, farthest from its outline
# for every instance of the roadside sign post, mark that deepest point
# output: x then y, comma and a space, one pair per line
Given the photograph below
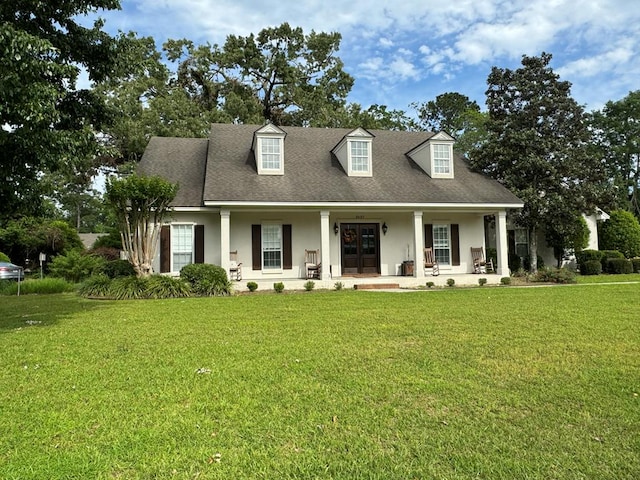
43, 258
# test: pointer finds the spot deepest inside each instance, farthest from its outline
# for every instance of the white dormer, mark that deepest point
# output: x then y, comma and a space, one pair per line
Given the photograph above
354, 152
435, 156
268, 148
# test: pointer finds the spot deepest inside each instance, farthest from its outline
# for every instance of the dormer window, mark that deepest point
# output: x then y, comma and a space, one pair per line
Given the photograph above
442, 158
268, 148
435, 156
355, 153
359, 156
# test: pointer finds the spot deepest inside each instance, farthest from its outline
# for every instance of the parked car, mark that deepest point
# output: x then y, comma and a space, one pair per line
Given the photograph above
9, 271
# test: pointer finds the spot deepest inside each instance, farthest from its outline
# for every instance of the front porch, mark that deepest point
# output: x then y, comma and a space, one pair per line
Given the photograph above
383, 282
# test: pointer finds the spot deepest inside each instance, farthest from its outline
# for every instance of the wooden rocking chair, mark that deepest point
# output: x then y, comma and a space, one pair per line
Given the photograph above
431, 262
311, 263
480, 263
235, 268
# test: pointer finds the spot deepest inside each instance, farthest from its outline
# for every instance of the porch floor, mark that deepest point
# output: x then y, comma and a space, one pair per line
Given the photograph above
373, 282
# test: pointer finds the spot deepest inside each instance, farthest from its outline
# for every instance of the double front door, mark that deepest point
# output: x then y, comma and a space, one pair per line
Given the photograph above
360, 246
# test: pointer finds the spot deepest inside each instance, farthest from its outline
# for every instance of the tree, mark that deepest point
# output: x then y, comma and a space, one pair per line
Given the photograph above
140, 204
537, 146
621, 232
279, 75
25, 238
617, 135
45, 120
149, 101
455, 114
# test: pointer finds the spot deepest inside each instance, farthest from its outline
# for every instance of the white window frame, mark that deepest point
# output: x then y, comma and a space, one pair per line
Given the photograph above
181, 248
359, 161
269, 245
442, 244
520, 234
442, 155
270, 155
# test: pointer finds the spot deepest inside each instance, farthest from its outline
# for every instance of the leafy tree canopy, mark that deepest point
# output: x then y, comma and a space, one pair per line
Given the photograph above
617, 138
621, 232
537, 145
46, 121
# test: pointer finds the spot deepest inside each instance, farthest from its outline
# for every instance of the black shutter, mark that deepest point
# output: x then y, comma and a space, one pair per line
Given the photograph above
256, 247
428, 235
199, 244
165, 249
287, 254
455, 244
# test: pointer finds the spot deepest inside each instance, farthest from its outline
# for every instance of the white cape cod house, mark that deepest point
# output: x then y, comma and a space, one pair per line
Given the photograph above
368, 201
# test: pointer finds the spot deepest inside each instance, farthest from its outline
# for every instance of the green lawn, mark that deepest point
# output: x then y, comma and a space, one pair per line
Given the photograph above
490, 383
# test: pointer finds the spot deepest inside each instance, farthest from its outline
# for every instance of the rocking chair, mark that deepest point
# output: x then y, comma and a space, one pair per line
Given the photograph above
431, 262
311, 263
235, 268
480, 263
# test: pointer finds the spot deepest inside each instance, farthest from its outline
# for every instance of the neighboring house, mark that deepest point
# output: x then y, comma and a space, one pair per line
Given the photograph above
369, 201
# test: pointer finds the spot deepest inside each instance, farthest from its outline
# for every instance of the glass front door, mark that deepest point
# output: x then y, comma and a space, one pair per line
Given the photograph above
360, 248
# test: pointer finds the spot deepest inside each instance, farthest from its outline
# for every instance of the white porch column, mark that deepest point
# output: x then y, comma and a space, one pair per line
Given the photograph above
325, 246
501, 243
418, 243
225, 242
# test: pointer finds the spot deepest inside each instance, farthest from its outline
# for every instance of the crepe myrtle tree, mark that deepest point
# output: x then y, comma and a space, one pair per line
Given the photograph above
140, 205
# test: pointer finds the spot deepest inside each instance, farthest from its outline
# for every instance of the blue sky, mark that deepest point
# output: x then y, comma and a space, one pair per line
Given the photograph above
413, 50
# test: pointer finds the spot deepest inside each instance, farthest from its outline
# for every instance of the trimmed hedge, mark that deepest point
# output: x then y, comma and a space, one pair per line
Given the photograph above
617, 266
206, 279
591, 267
636, 265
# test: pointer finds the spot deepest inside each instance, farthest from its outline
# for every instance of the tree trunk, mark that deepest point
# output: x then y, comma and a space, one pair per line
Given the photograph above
533, 249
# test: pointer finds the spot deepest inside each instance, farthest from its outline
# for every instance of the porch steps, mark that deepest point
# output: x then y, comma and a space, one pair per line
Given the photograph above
376, 286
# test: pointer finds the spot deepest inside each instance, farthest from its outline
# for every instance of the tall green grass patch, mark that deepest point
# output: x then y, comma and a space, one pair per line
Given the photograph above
36, 286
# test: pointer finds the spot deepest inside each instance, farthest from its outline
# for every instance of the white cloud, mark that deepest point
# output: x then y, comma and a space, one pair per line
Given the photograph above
385, 42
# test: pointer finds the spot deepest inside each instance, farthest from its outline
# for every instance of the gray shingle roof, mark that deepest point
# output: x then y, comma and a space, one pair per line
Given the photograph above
312, 174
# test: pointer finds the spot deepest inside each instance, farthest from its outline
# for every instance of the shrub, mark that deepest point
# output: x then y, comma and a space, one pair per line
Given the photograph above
278, 287
4, 258
635, 262
338, 285
591, 267
621, 232
606, 255
108, 253
206, 279
163, 286
584, 256
451, 282
118, 268
482, 281
252, 286
74, 266
129, 288
98, 286
309, 285
617, 266
430, 284
515, 262
505, 280
555, 275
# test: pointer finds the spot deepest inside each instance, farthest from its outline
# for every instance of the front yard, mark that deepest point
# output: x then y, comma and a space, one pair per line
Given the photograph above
535, 383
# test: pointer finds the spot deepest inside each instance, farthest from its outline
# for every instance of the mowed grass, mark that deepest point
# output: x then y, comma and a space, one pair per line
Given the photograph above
513, 383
